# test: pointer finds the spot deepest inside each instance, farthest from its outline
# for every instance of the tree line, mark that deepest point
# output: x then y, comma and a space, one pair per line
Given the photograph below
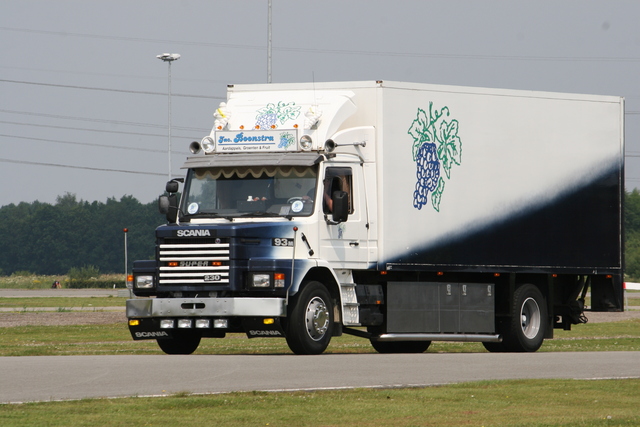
632, 235
48, 239
52, 239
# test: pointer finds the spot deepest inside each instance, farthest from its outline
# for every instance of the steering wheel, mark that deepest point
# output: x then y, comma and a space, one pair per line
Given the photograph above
293, 199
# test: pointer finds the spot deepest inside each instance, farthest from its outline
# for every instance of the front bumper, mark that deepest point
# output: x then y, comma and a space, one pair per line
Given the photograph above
206, 307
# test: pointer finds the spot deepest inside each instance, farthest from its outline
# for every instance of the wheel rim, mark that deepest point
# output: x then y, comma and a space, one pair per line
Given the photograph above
530, 318
317, 318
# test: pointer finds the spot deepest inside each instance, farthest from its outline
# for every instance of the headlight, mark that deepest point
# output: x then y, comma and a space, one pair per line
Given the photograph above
261, 281
184, 323
166, 324
144, 282
208, 144
203, 323
306, 142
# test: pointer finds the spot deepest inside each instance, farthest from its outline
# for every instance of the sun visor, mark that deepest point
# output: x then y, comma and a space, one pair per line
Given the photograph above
266, 159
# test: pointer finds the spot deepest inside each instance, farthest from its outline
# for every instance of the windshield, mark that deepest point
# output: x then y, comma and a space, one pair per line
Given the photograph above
250, 191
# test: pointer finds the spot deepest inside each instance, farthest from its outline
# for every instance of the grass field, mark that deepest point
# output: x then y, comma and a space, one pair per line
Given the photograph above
34, 281
564, 403
54, 302
115, 339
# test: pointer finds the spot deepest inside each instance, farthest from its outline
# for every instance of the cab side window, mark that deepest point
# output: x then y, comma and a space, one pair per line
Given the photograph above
337, 179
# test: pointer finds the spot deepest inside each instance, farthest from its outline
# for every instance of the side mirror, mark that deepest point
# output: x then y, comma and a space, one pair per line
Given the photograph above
340, 206
168, 206
172, 187
163, 204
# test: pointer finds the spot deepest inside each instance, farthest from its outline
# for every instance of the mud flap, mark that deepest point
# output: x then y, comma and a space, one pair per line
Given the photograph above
148, 329
258, 327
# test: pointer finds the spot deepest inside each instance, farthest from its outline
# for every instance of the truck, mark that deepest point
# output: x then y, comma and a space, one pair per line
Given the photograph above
401, 213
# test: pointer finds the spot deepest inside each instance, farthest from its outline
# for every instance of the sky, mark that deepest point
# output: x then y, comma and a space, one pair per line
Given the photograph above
84, 106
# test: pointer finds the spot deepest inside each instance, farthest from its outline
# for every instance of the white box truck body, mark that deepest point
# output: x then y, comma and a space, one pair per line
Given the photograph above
402, 213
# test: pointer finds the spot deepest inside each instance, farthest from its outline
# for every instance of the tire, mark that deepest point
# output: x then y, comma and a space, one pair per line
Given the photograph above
310, 320
494, 347
527, 326
185, 342
387, 347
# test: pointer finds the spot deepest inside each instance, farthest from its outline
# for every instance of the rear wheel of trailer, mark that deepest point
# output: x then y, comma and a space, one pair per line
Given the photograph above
525, 329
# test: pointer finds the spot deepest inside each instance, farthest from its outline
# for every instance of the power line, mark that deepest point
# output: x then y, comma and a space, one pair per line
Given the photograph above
24, 162
86, 119
92, 130
88, 144
132, 39
89, 73
138, 92
335, 51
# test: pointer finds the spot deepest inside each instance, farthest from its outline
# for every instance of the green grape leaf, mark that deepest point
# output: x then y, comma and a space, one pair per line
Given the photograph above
450, 148
419, 131
436, 196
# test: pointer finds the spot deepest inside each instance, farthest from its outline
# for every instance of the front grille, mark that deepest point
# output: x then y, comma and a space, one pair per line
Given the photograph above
194, 262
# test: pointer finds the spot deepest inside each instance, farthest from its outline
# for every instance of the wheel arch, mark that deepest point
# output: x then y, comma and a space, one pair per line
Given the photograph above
328, 278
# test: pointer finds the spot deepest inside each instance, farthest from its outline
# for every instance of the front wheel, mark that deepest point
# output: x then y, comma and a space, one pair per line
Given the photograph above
310, 321
528, 324
183, 343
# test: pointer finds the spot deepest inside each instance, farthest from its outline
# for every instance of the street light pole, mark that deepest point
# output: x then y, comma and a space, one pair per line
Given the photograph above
169, 58
269, 43
126, 261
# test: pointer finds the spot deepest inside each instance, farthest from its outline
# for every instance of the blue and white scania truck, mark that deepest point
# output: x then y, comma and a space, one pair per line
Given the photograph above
401, 213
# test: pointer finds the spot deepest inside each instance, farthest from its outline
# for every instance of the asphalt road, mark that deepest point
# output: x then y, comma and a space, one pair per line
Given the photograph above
42, 378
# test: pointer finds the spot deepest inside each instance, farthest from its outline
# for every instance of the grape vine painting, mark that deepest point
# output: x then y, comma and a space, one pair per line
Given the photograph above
286, 140
436, 148
274, 113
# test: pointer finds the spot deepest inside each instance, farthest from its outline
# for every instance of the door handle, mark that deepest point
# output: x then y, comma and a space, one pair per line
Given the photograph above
354, 244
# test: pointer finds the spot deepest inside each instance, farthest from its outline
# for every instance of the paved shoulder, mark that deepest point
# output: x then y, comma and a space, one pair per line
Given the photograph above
74, 377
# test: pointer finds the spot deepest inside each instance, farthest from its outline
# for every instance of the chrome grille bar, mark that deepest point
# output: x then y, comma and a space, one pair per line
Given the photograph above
185, 255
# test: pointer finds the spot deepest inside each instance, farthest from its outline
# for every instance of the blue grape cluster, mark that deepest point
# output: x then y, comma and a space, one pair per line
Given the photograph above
265, 121
286, 139
427, 173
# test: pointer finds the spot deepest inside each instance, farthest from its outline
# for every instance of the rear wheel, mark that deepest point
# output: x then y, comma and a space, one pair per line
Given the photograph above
527, 326
400, 346
310, 321
494, 347
185, 342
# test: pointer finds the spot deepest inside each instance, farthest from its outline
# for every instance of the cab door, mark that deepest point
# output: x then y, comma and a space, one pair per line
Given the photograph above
344, 244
